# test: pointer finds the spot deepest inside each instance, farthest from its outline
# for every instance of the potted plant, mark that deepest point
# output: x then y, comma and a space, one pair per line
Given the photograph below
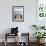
39, 35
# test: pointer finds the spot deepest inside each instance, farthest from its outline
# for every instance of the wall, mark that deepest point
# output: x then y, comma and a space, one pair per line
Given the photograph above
6, 15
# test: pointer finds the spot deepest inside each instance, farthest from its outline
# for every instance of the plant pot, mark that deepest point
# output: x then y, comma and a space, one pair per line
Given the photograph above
38, 40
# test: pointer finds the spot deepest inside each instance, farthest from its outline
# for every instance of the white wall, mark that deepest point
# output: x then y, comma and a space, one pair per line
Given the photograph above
6, 15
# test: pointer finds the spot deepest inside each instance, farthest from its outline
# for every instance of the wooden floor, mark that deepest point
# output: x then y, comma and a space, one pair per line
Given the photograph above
13, 44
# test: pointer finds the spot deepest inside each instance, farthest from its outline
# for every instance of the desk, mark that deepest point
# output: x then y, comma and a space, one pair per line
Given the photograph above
8, 34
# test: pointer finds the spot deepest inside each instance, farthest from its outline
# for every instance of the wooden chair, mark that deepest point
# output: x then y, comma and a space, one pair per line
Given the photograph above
8, 34
27, 43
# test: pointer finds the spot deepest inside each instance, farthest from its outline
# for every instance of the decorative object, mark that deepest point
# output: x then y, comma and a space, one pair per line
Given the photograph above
17, 13
14, 30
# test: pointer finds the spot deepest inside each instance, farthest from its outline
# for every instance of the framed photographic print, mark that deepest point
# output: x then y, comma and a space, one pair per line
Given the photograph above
17, 13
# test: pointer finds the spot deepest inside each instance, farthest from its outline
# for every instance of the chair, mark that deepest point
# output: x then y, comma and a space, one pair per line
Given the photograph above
7, 35
24, 36
14, 32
